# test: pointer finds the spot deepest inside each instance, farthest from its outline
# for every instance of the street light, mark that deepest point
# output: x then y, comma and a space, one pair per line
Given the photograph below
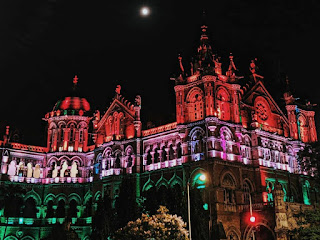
202, 178
252, 218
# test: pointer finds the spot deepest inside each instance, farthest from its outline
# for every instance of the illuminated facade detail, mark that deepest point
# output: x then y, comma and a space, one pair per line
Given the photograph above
227, 128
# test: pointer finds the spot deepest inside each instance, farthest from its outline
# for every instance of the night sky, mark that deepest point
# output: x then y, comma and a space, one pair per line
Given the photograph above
43, 44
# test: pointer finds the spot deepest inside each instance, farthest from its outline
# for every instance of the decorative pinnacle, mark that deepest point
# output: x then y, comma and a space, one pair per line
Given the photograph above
75, 80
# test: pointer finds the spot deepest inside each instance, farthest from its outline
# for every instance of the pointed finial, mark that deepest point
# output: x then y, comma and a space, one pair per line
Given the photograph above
75, 80
180, 63
118, 89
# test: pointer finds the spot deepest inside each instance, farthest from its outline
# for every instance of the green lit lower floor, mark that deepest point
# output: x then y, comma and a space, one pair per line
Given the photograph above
13, 228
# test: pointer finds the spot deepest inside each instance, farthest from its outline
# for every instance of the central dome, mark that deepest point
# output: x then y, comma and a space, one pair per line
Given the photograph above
72, 103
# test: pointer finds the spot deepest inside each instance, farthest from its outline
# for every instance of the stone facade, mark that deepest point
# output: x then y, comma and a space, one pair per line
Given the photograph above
228, 127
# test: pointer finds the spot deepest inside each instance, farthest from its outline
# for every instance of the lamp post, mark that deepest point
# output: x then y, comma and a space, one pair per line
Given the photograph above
202, 178
189, 218
252, 218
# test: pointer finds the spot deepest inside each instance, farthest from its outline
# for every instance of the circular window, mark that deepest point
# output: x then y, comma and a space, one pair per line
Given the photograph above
262, 110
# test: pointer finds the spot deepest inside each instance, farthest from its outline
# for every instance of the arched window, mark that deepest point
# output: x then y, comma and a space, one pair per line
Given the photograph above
171, 152
229, 186
163, 154
61, 211
50, 211
149, 158
232, 236
195, 105
223, 104
303, 128
179, 150
118, 161
156, 156
72, 211
30, 209
247, 192
196, 142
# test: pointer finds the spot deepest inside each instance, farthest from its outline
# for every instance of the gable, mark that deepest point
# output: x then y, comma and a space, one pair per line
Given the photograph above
258, 91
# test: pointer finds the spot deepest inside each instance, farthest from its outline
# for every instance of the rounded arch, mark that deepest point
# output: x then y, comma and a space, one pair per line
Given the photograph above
246, 140
249, 229
107, 152
63, 159
11, 238
52, 160
71, 124
222, 94
52, 126
128, 149
49, 197
34, 195
27, 238
195, 104
82, 124
62, 124
226, 133
78, 160
191, 96
76, 197
61, 196
196, 130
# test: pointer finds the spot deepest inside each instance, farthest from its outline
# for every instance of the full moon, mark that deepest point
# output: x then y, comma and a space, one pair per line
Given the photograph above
144, 11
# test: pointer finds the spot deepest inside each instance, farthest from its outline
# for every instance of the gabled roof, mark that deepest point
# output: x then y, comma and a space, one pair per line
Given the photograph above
118, 103
258, 89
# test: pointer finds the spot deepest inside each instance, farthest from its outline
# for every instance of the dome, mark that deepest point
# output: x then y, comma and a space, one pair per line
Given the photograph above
70, 106
72, 103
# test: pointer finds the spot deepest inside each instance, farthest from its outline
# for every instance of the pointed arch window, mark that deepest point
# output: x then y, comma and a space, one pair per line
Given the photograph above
195, 105
223, 104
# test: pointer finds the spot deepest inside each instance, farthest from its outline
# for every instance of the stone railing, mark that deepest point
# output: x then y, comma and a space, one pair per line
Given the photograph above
42, 221
51, 180
160, 165
159, 129
29, 147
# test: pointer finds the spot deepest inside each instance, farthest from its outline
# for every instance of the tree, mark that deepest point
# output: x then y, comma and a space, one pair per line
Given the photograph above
62, 232
309, 160
103, 223
11, 199
161, 226
126, 205
309, 223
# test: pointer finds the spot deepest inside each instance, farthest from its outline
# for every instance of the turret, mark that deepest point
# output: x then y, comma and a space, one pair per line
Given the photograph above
68, 124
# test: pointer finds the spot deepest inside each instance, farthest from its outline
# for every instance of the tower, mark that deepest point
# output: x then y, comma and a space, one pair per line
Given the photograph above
206, 91
68, 124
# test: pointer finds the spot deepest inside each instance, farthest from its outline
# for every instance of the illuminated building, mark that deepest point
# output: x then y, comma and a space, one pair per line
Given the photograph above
227, 127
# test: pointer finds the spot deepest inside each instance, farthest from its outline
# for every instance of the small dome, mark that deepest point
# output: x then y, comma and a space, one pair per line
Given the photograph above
72, 103
70, 106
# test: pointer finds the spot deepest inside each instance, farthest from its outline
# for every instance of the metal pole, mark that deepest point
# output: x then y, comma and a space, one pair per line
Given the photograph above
250, 201
189, 218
